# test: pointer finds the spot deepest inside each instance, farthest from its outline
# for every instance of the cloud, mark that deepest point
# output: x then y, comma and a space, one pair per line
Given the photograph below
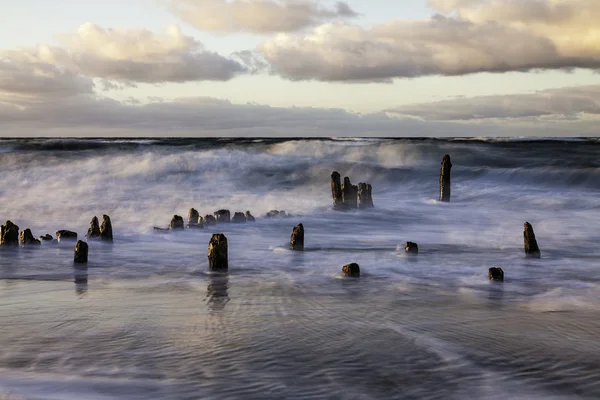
86, 115
571, 103
129, 56
108, 85
23, 83
473, 36
257, 16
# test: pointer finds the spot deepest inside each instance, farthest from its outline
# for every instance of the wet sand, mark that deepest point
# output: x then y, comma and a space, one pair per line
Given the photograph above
227, 336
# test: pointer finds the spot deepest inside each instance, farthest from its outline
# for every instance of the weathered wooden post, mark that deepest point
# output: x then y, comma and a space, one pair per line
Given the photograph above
27, 238
365, 199
445, 179
411, 248
81, 252
272, 214
209, 220
531, 247
496, 274
94, 230
336, 191
106, 232
222, 216
297, 239
177, 223
217, 252
195, 221
66, 236
352, 270
350, 194
46, 238
238, 218
9, 234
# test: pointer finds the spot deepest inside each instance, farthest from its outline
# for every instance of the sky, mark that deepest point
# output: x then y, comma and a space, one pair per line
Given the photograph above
299, 68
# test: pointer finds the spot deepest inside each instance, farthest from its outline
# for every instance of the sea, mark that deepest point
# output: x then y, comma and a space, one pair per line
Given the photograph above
146, 319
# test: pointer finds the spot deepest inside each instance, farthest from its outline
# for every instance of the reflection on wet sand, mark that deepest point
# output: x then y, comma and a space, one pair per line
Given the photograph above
496, 291
80, 277
216, 292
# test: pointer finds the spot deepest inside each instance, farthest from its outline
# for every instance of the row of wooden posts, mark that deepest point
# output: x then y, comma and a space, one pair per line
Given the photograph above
9, 234
218, 259
345, 196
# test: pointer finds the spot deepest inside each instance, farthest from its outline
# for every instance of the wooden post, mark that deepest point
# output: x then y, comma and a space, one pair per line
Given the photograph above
9, 234
238, 218
177, 223
27, 238
496, 274
223, 216
336, 191
365, 199
94, 230
411, 248
209, 220
194, 219
81, 252
66, 236
217, 252
352, 270
531, 247
46, 238
445, 179
106, 232
349, 194
297, 239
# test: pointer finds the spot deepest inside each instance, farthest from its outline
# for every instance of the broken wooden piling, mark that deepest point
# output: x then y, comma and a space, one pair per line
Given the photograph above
81, 252
297, 238
445, 179
531, 246
352, 270
217, 252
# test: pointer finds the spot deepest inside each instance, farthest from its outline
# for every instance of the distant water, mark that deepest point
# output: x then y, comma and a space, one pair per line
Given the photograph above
152, 322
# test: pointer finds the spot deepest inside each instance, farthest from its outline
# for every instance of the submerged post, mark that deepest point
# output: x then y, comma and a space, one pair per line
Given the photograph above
445, 179
352, 270
531, 247
496, 274
81, 252
297, 239
411, 248
336, 191
217, 252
